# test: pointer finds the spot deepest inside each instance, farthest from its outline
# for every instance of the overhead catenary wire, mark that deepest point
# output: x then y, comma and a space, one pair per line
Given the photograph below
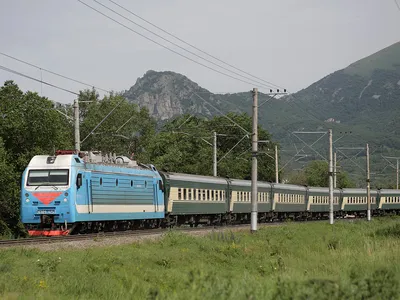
191, 45
180, 47
397, 4
38, 80
246, 132
54, 73
101, 122
166, 47
60, 88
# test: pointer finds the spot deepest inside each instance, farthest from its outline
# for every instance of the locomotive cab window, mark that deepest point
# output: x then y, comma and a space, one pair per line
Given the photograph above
48, 177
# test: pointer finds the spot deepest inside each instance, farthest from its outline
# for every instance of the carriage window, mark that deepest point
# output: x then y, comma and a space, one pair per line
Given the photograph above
220, 195
116, 182
179, 194
101, 181
190, 194
184, 194
199, 195
132, 183
216, 195
194, 194
204, 194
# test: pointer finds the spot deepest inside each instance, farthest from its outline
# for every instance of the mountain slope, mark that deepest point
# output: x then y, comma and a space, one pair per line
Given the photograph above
363, 99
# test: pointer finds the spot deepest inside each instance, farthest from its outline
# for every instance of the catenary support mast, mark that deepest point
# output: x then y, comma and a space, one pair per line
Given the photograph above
330, 178
76, 127
254, 212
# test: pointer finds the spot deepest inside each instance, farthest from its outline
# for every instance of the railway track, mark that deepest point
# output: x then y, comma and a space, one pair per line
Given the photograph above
73, 238
92, 236
130, 233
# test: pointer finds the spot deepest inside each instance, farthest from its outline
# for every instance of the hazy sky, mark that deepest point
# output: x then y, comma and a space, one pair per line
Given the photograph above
291, 43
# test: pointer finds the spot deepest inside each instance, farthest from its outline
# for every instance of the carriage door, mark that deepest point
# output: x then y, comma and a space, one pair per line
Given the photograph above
83, 203
155, 196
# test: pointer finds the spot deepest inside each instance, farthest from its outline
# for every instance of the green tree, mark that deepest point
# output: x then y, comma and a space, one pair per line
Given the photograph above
9, 196
122, 132
29, 125
185, 145
316, 174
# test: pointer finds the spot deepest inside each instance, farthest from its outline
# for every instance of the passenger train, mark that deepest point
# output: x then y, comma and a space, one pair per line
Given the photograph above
90, 192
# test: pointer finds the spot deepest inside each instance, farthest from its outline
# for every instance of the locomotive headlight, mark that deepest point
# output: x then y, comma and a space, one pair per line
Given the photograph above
27, 200
65, 199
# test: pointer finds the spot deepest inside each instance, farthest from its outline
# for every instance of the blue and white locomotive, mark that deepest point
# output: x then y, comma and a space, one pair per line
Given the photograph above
64, 194
69, 193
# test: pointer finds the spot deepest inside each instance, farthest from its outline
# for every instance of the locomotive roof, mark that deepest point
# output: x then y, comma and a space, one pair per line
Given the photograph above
72, 160
52, 162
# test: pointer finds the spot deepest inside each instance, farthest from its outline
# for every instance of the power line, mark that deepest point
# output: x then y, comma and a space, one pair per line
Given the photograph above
246, 132
54, 73
165, 47
175, 44
397, 4
38, 80
191, 45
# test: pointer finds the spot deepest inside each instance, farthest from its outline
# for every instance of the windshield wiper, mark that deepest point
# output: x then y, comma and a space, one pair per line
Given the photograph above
46, 183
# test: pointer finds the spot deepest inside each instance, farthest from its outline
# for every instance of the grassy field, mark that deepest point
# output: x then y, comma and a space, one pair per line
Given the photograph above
350, 260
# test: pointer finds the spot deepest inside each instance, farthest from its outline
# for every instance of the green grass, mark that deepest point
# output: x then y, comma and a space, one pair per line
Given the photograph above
350, 260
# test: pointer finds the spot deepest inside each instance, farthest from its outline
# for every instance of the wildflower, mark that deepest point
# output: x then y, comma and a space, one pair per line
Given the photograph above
25, 278
42, 284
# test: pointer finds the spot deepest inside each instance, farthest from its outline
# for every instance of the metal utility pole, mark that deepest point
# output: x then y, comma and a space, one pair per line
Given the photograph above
368, 189
254, 213
276, 165
330, 178
397, 175
215, 155
334, 171
76, 119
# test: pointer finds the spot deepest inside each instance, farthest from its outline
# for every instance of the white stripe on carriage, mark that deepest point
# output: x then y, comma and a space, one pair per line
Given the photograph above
82, 209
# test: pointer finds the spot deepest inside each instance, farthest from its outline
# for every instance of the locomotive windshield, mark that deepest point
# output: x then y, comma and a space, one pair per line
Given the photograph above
48, 177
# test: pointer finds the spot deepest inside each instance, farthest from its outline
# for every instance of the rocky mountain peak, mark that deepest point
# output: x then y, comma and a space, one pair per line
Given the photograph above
166, 94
